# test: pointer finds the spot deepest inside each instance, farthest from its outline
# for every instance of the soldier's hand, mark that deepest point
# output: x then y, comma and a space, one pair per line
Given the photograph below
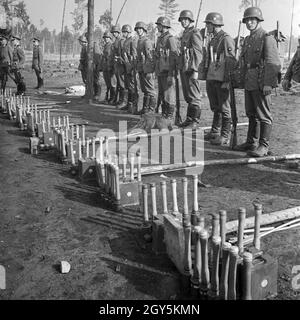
195, 75
225, 85
170, 80
267, 90
286, 85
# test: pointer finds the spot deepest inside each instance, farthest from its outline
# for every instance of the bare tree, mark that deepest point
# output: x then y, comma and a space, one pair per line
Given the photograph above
250, 3
106, 19
168, 8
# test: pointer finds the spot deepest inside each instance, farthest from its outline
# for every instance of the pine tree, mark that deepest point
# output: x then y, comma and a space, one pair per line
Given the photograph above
168, 8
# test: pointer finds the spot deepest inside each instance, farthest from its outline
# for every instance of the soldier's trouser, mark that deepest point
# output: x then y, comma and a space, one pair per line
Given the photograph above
39, 76
97, 84
84, 76
167, 93
110, 80
192, 94
147, 84
19, 80
258, 105
219, 100
3, 77
129, 84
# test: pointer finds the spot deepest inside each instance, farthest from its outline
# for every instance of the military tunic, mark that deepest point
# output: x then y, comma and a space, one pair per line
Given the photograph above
222, 47
189, 62
293, 71
107, 66
6, 58
119, 68
166, 56
260, 58
128, 55
37, 62
18, 62
83, 63
145, 66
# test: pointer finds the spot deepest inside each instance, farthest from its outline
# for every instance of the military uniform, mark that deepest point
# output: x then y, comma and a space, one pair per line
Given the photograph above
108, 72
97, 65
190, 60
6, 58
261, 63
37, 62
119, 68
83, 63
166, 55
17, 63
221, 61
293, 71
128, 55
145, 68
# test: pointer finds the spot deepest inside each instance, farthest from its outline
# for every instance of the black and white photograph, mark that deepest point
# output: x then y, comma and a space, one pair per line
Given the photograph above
149, 151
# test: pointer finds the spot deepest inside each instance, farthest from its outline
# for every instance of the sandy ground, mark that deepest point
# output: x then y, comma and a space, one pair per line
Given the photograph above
110, 259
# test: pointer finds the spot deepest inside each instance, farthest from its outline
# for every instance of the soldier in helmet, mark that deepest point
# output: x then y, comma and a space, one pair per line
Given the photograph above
37, 62
83, 62
166, 54
261, 62
17, 64
221, 60
293, 71
189, 63
128, 55
6, 58
145, 67
119, 68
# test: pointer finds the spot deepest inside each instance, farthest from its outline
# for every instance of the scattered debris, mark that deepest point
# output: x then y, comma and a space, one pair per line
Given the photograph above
65, 267
163, 176
118, 268
47, 210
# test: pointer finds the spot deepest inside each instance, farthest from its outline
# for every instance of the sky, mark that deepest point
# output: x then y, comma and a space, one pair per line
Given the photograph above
147, 10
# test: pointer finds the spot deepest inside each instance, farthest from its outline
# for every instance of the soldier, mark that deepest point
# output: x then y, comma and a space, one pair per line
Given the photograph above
83, 62
293, 71
17, 64
119, 68
166, 54
96, 72
260, 59
221, 61
189, 63
6, 58
107, 66
128, 55
37, 62
145, 68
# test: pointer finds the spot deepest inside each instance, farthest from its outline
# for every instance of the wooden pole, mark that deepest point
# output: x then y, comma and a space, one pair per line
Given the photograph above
90, 79
121, 11
62, 30
110, 13
199, 10
291, 33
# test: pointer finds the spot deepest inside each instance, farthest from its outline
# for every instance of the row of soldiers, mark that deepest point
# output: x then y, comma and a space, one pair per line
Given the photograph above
12, 59
208, 54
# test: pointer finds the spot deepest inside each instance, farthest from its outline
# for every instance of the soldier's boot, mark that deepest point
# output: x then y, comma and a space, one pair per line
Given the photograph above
97, 92
41, 84
115, 98
122, 105
112, 93
223, 139
129, 105
169, 112
144, 109
135, 104
105, 101
193, 118
263, 148
215, 127
252, 135
151, 106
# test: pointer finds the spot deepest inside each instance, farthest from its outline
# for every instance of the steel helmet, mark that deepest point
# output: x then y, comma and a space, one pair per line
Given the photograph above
186, 14
164, 21
253, 12
107, 34
115, 28
215, 18
140, 25
127, 28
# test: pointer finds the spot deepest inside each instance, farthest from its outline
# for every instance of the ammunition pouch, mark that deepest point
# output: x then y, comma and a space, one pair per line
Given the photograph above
163, 64
149, 67
216, 71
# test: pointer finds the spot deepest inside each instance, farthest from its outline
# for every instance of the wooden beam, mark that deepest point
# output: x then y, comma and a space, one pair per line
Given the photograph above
90, 78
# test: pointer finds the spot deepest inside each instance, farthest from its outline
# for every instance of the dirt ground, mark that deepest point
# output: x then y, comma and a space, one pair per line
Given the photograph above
109, 258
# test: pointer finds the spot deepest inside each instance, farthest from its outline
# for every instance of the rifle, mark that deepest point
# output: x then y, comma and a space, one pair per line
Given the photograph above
233, 137
178, 119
